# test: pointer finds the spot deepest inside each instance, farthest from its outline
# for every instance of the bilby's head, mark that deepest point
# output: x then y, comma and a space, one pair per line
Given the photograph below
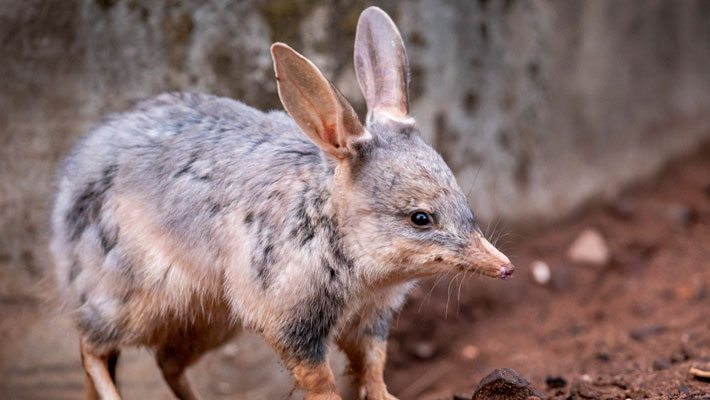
398, 204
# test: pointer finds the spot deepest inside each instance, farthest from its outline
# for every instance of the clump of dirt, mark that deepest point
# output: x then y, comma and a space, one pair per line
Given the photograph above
630, 329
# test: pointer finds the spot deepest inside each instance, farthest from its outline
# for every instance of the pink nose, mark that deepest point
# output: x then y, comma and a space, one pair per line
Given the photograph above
506, 271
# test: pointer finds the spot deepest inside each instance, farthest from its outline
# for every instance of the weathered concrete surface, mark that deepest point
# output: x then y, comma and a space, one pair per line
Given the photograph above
557, 103
549, 104
544, 105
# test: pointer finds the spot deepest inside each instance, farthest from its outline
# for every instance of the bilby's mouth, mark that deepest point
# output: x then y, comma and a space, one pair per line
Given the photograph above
504, 272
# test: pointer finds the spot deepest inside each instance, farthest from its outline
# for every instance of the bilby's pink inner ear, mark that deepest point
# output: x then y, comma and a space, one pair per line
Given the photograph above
381, 64
314, 104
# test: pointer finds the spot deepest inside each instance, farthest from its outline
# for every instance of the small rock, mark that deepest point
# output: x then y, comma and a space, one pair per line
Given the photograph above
678, 356
470, 352
660, 365
682, 215
624, 208
562, 279
576, 328
231, 350
684, 292
643, 310
688, 351
424, 350
541, 272
505, 384
585, 391
590, 248
224, 387
619, 382
555, 382
642, 332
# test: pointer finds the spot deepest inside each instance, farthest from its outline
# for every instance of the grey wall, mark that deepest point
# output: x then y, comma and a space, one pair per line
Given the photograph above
549, 104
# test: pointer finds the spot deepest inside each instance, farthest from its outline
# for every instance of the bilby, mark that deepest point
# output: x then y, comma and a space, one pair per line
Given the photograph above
190, 217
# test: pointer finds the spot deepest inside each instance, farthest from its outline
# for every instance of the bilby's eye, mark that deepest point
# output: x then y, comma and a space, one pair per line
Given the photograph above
420, 219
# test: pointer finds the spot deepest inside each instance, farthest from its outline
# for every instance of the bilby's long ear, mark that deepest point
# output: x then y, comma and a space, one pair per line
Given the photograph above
315, 104
381, 64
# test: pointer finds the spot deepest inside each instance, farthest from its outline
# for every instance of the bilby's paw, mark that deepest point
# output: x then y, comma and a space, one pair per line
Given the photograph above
322, 396
375, 393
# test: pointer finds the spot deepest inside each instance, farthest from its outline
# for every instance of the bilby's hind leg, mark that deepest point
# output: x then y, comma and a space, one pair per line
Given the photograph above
90, 392
182, 347
99, 383
112, 360
173, 359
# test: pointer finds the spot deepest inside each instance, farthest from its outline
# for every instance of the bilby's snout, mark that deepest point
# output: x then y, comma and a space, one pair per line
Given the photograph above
483, 257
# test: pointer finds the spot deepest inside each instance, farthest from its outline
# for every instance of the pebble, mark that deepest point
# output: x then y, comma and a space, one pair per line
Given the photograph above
470, 352
678, 356
624, 208
231, 350
541, 272
505, 384
424, 350
585, 391
682, 215
619, 382
660, 365
224, 387
590, 248
642, 332
555, 382
684, 292
562, 280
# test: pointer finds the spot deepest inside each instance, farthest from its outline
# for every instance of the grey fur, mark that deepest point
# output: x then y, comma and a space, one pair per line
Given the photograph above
380, 327
192, 175
189, 202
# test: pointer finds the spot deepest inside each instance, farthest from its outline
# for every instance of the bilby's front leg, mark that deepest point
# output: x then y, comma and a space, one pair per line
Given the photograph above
366, 349
303, 346
317, 380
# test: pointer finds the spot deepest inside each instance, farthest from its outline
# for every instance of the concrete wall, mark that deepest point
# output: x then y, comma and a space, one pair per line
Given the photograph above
549, 104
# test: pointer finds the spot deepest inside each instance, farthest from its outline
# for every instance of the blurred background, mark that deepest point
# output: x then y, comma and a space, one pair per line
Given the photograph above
545, 111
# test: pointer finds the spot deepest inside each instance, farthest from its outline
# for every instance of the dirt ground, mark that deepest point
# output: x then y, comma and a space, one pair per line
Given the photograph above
629, 330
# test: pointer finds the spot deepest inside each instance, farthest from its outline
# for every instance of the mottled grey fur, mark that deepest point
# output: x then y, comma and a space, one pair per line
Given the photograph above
195, 159
187, 205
